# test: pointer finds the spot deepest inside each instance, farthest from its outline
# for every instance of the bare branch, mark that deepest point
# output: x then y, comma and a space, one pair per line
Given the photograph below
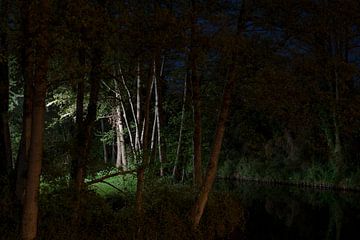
110, 176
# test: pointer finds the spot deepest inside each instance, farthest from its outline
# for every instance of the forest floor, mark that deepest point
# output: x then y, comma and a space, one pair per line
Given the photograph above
107, 211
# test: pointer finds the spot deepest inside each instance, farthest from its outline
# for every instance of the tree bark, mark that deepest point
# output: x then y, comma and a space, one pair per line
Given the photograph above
202, 197
104, 144
196, 100
5, 143
138, 108
160, 119
84, 131
145, 147
338, 157
120, 143
76, 170
27, 68
130, 102
30, 214
178, 149
30, 210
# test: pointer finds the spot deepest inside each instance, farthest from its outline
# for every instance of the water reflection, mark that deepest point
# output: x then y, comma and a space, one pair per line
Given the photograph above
283, 212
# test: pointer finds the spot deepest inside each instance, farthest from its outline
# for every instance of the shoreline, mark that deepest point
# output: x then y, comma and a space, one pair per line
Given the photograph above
300, 184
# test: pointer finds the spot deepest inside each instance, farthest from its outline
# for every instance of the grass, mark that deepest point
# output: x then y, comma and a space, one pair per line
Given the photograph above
115, 185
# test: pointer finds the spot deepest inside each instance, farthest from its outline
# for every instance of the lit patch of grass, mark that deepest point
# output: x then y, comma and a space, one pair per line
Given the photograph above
112, 186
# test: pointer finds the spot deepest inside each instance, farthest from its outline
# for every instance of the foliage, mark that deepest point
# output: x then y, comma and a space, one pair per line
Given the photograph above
112, 215
9, 214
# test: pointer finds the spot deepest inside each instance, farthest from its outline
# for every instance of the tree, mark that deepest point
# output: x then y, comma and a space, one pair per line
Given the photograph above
232, 77
85, 126
27, 62
90, 32
40, 12
5, 143
196, 98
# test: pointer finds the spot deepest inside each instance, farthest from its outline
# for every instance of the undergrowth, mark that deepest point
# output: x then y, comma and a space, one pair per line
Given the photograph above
113, 216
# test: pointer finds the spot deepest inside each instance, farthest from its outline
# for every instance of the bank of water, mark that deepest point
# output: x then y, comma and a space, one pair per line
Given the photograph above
289, 212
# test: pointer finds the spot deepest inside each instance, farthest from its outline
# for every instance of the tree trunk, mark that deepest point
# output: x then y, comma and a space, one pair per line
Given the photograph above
201, 200
120, 143
138, 108
113, 159
23, 153
76, 171
338, 157
104, 144
196, 89
27, 68
131, 105
119, 126
145, 147
30, 210
5, 143
152, 140
160, 119
175, 169
133, 147
84, 134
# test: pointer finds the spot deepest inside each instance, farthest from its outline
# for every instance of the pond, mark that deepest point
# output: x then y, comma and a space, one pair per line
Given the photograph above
287, 212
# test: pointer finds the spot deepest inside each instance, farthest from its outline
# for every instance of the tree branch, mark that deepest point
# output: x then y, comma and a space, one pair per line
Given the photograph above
112, 185
110, 176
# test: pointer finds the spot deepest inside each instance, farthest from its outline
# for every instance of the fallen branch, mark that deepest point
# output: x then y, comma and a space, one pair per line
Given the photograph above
112, 185
110, 176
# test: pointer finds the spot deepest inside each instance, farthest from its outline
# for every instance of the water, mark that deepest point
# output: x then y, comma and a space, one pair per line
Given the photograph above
283, 212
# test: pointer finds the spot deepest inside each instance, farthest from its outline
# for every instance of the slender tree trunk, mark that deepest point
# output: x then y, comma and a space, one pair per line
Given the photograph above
104, 144
143, 125
121, 109
122, 144
23, 154
145, 147
78, 154
130, 102
133, 147
153, 131
119, 126
113, 151
196, 89
197, 127
175, 169
85, 130
30, 210
202, 197
142, 133
121, 157
30, 214
158, 84
5, 143
138, 108
27, 68
338, 157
